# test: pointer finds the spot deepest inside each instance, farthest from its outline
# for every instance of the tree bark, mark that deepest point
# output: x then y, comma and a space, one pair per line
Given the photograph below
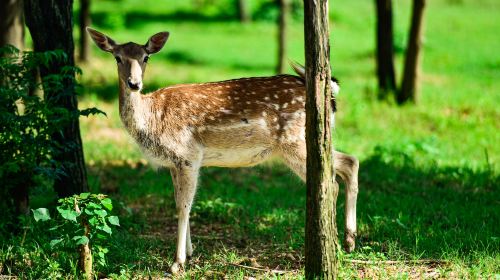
243, 12
321, 240
84, 22
385, 49
50, 23
284, 6
409, 86
11, 23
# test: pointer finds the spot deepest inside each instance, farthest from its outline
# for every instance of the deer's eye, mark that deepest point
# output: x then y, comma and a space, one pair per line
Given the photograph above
118, 59
146, 58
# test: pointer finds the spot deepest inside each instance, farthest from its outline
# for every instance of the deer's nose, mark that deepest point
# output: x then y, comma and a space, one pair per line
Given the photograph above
132, 85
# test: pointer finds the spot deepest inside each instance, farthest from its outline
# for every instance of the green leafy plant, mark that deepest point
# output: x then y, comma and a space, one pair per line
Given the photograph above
83, 222
28, 121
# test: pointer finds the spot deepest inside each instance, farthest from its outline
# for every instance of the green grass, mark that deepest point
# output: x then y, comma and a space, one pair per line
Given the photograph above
429, 183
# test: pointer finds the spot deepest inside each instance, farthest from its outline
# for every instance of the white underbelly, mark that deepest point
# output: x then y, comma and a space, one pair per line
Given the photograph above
237, 157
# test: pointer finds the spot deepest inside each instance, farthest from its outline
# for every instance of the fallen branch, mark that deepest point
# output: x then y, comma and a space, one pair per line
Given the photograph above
275, 271
428, 261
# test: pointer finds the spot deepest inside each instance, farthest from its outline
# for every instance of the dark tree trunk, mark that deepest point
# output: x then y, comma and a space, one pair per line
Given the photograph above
282, 26
409, 86
50, 23
11, 23
321, 234
84, 22
385, 49
243, 11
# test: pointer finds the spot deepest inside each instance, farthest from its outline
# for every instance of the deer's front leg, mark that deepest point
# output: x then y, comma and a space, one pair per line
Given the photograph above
184, 179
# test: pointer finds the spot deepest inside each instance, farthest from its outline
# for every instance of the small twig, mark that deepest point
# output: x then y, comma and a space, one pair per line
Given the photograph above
275, 271
398, 262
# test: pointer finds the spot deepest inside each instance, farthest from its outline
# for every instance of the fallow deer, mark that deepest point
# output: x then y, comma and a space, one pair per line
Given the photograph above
232, 123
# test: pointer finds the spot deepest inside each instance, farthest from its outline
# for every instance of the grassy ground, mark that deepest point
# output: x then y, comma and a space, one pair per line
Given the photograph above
429, 186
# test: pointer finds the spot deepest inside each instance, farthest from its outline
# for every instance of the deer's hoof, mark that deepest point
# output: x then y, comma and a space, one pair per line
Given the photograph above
349, 242
177, 268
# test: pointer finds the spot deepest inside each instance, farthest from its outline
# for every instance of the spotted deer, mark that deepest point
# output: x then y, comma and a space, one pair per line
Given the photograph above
232, 123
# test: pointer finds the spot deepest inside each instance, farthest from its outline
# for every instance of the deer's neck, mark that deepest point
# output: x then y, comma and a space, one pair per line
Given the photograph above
135, 110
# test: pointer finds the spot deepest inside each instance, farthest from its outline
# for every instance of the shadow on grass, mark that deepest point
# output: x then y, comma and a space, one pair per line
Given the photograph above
138, 18
404, 211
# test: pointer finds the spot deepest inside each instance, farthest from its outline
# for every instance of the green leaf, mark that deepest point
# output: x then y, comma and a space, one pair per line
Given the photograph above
114, 220
94, 205
54, 242
81, 240
105, 228
84, 195
41, 214
68, 214
107, 203
93, 221
101, 213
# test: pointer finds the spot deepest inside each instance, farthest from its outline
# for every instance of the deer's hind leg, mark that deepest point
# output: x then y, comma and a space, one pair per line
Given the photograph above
294, 156
347, 167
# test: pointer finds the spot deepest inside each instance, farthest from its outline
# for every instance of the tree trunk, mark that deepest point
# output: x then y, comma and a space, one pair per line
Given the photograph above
321, 234
11, 23
282, 26
409, 86
243, 12
385, 49
84, 22
50, 24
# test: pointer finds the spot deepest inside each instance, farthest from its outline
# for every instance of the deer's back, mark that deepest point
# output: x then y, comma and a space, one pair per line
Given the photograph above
237, 122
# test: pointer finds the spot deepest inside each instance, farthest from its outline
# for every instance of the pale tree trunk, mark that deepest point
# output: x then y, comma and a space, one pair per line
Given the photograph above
84, 22
244, 12
385, 49
51, 27
284, 6
409, 86
321, 240
11, 23
12, 33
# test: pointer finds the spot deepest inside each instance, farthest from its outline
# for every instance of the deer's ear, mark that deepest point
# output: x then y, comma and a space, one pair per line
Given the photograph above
156, 42
102, 41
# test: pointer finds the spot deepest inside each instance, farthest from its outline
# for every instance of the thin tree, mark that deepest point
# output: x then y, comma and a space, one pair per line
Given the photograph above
11, 23
243, 11
409, 89
385, 49
284, 7
51, 27
84, 22
321, 234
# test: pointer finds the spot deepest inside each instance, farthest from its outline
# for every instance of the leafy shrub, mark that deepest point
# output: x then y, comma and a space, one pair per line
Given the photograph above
28, 121
84, 221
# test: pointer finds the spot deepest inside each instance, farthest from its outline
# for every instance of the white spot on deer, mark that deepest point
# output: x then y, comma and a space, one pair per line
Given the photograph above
236, 98
248, 102
266, 98
226, 111
211, 118
285, 105
275, 119
264, 113
293, 101
275, 96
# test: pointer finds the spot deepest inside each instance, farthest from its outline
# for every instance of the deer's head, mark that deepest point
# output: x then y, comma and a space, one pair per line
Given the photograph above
130, 57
